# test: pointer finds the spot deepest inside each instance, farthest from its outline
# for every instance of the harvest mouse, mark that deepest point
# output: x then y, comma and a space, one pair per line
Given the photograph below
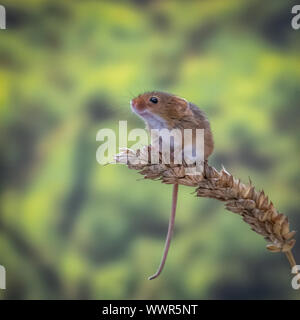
162, 110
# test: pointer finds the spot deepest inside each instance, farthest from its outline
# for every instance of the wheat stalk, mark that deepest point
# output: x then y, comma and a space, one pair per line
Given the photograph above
253, 206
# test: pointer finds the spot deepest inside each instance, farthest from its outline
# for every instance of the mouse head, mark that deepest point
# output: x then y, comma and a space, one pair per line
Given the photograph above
160, 106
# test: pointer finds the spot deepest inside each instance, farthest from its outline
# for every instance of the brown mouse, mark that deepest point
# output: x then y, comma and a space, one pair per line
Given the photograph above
162, 110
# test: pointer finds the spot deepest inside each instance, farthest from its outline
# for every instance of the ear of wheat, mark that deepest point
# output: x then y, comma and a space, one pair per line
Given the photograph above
253, 206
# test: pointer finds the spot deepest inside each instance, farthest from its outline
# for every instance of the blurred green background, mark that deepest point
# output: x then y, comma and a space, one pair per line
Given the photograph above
71, 229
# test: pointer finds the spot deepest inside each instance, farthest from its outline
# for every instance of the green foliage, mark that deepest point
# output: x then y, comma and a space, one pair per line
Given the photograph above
70, 228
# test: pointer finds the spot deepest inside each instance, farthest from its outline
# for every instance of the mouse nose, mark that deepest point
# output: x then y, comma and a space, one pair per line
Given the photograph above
137, 105
133, 103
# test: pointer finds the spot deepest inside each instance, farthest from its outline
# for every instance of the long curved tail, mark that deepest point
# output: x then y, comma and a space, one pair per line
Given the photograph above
169, 235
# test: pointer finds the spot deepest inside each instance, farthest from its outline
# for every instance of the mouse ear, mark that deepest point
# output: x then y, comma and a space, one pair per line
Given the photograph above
181, 105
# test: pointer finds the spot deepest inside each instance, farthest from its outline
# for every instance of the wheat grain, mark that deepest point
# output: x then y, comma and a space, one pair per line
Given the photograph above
253, 206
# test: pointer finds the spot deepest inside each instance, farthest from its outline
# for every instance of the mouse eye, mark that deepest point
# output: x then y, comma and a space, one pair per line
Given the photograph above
153, 100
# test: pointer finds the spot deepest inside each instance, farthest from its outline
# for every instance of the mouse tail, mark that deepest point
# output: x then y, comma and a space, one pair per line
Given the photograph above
170, 233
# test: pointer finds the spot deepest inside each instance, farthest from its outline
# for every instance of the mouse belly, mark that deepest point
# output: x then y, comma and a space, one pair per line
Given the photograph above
179, 146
